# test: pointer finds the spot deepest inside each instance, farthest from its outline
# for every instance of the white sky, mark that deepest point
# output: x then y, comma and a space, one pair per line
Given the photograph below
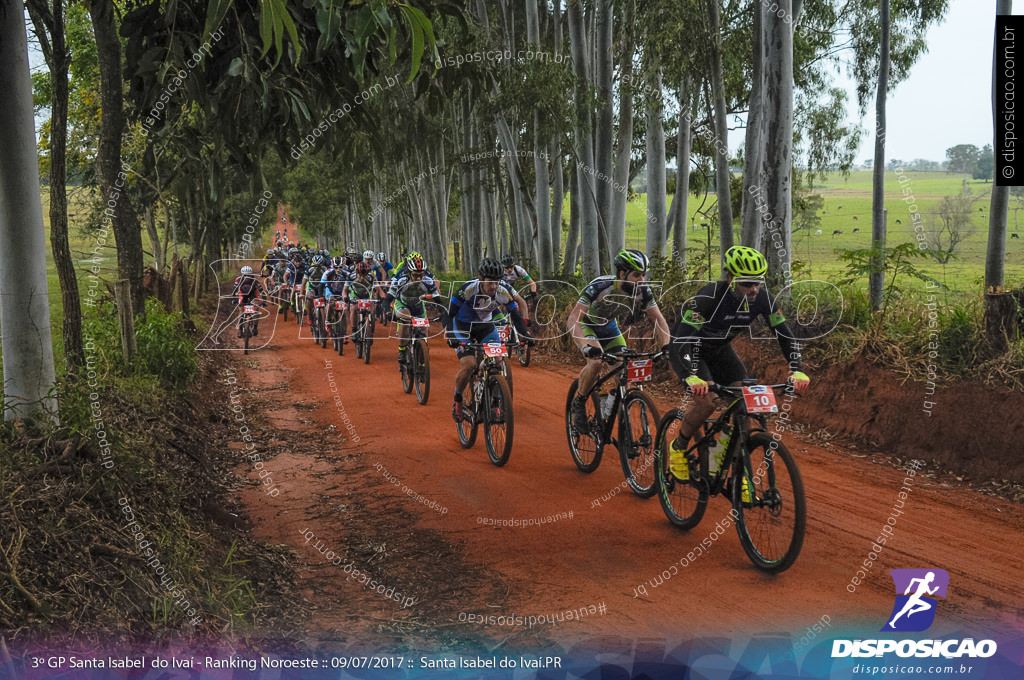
947, 98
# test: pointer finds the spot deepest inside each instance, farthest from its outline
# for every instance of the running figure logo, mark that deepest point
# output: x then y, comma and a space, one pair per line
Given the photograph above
915, 611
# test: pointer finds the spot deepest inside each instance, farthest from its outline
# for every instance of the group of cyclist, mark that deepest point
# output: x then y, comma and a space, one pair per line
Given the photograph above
698, 346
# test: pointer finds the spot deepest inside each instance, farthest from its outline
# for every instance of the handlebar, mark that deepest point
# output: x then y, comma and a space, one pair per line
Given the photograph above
730, 391
630, 354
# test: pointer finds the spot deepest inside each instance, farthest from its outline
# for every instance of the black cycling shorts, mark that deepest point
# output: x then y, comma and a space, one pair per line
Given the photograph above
723, 367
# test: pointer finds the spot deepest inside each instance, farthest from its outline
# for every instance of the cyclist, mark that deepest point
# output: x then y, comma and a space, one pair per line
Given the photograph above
247, 287
470, 319
313, 281
594, 326
382, 260
362, 287
702, 341
408, 292
335, 279
513, 272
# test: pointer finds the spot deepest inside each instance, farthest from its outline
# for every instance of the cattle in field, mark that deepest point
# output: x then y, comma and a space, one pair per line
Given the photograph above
854, 217
856, 230
1014, 236
837, 231
818, 233
898, 222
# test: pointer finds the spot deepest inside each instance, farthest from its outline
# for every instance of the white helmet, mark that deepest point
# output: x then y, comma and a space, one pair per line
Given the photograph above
367, 254
246, 270
381, 257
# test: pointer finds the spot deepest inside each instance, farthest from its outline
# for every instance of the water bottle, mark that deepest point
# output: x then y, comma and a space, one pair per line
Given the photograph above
716, 453
607, 403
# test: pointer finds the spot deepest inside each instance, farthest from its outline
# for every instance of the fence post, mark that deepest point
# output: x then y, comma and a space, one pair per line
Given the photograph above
126, 316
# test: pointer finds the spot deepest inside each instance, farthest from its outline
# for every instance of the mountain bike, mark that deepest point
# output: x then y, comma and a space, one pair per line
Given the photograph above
416, 367
510, 336
284, 297
771, 513
247, 323
298, 303
636, 413
362, 328
336, 323
489, 402
319, 325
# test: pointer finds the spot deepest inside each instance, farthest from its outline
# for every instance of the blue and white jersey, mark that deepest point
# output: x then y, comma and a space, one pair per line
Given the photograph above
470, 305
410, 292
334, 282
516, 274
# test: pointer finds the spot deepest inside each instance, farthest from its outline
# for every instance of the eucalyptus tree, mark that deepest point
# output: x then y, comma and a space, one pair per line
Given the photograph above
1000, 309
28, 369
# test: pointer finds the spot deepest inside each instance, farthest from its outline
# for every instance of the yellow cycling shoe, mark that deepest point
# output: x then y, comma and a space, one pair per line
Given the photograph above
745, 491
677, 463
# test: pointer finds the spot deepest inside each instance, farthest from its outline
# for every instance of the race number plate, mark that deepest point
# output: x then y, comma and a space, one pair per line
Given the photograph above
250, 309
639, 370
338, 304
503, 332
495, 349
760, 399
420, 322
318, 302
364, 304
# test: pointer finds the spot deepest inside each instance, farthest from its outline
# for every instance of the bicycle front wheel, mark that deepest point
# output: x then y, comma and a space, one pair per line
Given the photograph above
524, 355
637, 431
586, 449
421, 369
772, 519
684, 502
467, 428
498, 420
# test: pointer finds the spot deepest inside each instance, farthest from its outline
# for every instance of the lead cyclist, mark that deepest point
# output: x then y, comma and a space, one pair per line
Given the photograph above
701, 349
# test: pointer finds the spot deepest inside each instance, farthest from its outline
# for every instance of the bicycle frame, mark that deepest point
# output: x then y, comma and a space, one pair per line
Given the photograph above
622, 360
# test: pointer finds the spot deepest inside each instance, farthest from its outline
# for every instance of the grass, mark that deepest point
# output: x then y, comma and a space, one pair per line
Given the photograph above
847, 206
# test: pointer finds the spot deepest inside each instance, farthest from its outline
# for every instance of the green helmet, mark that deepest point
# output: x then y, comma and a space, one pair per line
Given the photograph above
744, 262
632, 260
413, 256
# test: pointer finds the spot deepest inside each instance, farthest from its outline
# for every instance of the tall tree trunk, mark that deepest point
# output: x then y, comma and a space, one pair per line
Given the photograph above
876, 279
720, 148
1001, 311
51, 23
624, 146
542, 199
604, 139
656, 196
995, 258
680, 202
753, 146
125, 222
584, 143
28, 370
556, 157
779, 141
573, 237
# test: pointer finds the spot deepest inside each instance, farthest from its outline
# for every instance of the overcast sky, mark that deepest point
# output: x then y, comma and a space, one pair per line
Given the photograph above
947, 98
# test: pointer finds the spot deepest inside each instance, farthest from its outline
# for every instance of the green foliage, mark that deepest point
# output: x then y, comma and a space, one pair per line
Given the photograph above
893, 262
986, 164
166, 355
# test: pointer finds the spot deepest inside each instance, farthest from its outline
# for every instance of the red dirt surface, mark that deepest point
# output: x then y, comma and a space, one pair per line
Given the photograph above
613, 541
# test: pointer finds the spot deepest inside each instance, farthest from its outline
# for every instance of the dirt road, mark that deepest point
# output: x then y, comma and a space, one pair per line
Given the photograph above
399, 465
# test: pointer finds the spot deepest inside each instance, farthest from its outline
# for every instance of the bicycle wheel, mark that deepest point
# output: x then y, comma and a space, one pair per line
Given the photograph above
637, 431
357, 339
524, 354
245, 336
499, 423
506, 372
684, 503
300, 310
586, 449
421, 368
467, 428
772, 525
367, 338
407, 368
322, 329
285, 303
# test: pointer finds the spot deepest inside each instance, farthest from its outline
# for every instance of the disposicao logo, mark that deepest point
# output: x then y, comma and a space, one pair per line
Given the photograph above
914, 611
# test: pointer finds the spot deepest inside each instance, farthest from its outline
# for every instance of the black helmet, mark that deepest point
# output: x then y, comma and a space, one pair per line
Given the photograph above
490, 269
507, 261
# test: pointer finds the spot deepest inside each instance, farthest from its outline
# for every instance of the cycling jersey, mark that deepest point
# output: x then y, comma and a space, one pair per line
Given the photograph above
248, 287
334, 282
361, 290
314, 283
712, 321
410, 293
293, 275
469, 305
606, 305
517, 273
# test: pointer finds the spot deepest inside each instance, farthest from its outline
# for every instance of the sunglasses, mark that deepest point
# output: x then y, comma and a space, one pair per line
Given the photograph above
748, 284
